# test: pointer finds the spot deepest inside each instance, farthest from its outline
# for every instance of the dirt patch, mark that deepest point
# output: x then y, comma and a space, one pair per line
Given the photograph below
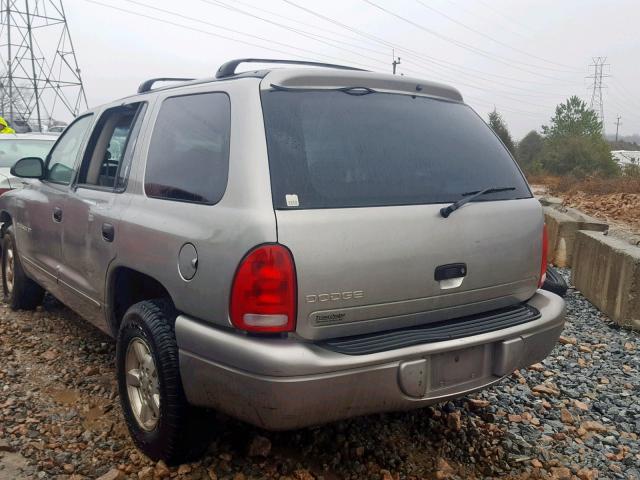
64, 395
12, 466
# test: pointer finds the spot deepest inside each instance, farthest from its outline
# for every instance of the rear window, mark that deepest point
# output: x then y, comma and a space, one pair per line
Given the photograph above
330, 149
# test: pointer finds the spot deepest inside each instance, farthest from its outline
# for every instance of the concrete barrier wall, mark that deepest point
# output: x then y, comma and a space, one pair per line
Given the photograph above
606, 270
562, 227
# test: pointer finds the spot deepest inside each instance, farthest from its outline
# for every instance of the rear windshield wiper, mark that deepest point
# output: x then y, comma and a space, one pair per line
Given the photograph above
468, 196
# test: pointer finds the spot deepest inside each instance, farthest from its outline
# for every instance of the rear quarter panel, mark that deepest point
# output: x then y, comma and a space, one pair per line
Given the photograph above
152, 231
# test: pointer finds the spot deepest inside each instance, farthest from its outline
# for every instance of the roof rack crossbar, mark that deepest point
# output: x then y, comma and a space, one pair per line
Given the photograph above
147, 84
228, 69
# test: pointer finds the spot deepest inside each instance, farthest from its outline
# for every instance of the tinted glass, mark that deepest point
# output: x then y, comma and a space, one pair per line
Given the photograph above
13, 150
62, 159
333, 149
188, 157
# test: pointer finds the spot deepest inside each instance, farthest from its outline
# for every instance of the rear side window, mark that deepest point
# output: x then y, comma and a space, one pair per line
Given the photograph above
333, 149
188, 157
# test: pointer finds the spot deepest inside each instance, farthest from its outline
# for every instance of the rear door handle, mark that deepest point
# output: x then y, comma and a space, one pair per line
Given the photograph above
108, 232
57, 214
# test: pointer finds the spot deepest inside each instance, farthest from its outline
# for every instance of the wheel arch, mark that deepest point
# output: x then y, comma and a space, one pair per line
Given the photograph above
127, 286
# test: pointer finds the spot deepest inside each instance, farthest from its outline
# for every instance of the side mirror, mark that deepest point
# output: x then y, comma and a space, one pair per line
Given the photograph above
28, 167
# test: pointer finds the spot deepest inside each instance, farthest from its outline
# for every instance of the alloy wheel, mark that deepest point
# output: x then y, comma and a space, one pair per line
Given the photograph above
9, 270
142, 384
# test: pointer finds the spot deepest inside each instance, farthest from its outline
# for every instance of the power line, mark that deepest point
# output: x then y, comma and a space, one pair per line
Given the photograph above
528, 92
221, 4
538, 115
621, 106
478, 87
205, 32
507, 18
340, 45
473, 85
492, 18
624, 93
407, 50
315, 37
222, 27
617, 124
505, 61
293, 20
489, 37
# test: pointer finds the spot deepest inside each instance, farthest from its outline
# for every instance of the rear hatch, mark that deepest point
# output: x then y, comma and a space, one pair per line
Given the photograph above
358, 179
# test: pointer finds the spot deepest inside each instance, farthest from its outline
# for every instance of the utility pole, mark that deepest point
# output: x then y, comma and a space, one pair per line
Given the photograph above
41, 76
395, 62
597, 103
617, 126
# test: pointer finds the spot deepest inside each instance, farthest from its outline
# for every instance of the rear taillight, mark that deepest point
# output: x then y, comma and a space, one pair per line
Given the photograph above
545, 247
263, 295
4, 190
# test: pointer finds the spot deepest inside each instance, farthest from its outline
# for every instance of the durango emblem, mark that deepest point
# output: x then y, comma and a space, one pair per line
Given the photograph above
334, 297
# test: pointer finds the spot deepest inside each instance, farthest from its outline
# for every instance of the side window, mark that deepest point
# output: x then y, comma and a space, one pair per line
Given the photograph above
188, 157
109, 147
62, 159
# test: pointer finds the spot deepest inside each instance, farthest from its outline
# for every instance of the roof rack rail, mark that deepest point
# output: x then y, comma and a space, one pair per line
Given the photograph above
228, 69
147, 84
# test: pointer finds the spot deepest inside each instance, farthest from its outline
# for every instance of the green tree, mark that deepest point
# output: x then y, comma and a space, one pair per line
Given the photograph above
499, 126
574, 144
573, 118
578, 156
529, 149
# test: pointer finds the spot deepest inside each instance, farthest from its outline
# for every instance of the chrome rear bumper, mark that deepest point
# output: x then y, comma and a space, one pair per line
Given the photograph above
282, 384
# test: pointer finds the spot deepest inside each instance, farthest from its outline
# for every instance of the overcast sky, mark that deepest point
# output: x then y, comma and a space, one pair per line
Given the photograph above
523, 57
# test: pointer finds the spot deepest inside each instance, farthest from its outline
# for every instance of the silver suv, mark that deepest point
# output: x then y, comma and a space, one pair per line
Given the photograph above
288, 246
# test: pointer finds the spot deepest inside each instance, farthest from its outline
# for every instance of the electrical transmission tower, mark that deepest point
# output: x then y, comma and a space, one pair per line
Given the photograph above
597, 104
39, 75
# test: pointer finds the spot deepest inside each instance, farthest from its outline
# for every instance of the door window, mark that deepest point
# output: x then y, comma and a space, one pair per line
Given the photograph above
62, 159
188, 157
109, 147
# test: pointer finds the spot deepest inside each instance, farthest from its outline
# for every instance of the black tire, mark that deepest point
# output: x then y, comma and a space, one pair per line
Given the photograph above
555, 283
180, 433
20, 292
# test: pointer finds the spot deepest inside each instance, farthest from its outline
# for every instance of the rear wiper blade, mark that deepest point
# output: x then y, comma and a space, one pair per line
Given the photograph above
468, 196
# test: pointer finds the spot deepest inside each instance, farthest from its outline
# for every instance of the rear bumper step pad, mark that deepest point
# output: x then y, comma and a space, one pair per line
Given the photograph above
433, 332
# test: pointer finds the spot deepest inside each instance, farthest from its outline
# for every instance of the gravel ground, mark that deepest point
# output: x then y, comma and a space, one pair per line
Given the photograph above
576, 415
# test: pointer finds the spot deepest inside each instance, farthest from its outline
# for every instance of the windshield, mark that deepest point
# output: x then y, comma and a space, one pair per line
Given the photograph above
13, 150
331, 149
